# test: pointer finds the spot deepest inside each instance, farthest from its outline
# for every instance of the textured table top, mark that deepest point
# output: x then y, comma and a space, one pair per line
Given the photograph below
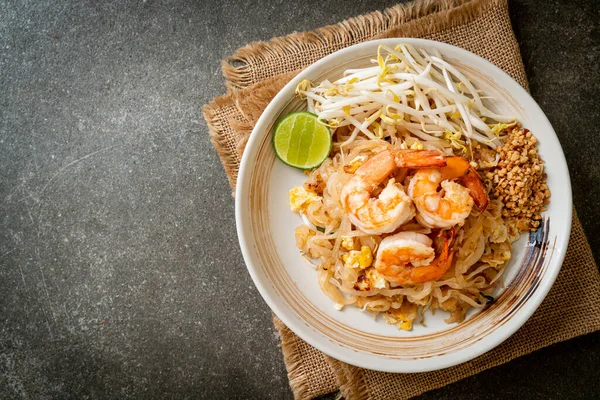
120, 270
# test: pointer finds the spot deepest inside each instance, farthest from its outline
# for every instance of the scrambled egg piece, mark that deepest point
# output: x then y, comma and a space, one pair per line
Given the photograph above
365, 258
371, 279
303, 233
351, 258
406, 325
348, 242
362, 284
354, 164
301, 198
403, 316
393, 320
362, 258
376, 279
416, 146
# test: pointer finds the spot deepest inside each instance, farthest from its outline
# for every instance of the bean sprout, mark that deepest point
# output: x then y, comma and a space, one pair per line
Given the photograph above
410, 92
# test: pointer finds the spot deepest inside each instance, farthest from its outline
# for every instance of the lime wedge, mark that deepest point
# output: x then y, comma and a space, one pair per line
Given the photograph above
301, 141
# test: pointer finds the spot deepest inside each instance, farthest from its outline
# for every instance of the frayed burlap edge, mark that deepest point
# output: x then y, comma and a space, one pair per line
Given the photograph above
239, 69
215, 128
351, 379
252, 106
293, 361
253, 101
249, 109
309, 373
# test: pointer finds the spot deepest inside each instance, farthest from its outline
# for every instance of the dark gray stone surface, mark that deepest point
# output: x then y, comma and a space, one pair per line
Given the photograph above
120, 272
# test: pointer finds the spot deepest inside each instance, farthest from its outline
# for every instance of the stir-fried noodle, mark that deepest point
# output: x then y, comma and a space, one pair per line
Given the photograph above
397, 221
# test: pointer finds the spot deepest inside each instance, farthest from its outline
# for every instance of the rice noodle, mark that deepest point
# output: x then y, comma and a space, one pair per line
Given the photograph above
414, 100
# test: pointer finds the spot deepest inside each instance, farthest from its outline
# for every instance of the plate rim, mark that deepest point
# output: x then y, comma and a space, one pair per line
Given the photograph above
295, 324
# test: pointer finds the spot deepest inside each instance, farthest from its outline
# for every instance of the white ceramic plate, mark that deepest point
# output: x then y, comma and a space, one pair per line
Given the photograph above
288, 284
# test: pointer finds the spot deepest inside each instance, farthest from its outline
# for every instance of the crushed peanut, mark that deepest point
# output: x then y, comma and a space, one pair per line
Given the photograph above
519, 180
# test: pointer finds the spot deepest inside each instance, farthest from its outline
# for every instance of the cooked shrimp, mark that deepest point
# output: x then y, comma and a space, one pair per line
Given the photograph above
408, 257
459, 168
393, 206
453, 204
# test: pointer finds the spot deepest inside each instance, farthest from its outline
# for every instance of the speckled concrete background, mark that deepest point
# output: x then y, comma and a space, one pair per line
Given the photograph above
120, 272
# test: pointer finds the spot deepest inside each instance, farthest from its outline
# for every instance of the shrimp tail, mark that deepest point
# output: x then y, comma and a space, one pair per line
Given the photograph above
448, 237
443, 261
419, 159
472, 181
459, 168
440, 265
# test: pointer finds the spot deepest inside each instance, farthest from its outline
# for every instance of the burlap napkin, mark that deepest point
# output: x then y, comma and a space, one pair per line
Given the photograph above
258, 71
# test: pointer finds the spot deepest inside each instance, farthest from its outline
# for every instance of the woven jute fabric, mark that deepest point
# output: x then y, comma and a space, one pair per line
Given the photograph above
254, 75
574, 294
